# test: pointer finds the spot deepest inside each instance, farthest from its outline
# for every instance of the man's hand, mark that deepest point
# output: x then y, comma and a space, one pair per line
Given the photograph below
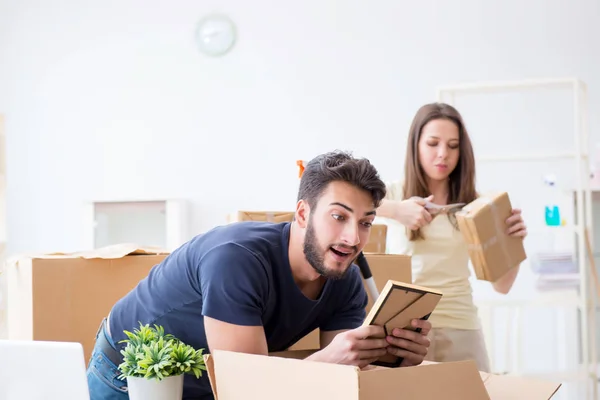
360, 347
410, 345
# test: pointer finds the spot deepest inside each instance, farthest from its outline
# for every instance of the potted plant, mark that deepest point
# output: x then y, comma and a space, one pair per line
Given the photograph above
154, 364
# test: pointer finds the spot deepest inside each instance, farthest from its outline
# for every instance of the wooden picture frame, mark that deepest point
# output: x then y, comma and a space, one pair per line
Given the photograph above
397, 305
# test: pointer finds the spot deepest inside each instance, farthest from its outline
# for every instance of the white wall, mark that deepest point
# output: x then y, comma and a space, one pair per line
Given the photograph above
112, 100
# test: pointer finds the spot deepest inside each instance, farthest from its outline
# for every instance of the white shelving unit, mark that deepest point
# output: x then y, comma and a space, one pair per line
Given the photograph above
585, 299
3, 290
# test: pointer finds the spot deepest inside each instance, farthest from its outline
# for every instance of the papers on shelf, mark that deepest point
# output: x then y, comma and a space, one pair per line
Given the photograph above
555, 271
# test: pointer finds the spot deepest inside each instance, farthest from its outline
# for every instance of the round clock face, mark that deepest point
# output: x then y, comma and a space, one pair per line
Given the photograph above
215, 35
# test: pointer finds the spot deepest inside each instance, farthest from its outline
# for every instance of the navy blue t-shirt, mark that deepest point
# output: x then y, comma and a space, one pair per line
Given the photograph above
237, 273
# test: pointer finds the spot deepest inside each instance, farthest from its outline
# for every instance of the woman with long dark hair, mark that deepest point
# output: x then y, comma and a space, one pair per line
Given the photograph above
440, 169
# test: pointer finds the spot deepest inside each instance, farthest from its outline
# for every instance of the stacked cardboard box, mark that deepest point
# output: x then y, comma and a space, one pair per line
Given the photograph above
483, 225
266, 216
377, 239
384, 267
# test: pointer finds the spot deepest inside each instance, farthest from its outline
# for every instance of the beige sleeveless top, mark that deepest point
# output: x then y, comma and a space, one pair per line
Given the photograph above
440, 261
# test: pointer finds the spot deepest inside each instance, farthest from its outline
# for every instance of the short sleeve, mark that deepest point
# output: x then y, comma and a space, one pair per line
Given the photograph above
351, 312
234, 285
394, 190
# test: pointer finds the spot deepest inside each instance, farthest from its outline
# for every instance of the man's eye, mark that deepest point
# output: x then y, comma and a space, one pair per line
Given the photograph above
368, 224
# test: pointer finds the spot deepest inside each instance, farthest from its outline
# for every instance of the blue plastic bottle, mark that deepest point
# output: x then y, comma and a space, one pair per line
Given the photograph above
552, 210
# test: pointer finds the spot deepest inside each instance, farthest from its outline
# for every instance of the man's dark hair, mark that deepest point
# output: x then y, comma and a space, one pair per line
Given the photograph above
339, 166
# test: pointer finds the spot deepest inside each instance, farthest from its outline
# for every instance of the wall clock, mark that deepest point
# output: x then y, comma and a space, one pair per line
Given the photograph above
215, 35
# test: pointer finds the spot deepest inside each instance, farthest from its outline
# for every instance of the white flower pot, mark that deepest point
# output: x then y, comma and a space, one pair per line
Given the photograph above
170, 388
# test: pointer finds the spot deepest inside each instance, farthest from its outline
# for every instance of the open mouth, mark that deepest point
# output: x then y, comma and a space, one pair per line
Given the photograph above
341, 252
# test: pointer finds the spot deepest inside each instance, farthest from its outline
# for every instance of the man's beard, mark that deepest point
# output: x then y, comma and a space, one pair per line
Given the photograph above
315, 256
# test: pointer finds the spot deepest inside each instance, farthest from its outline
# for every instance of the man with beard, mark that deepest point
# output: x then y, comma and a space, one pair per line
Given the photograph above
257, 287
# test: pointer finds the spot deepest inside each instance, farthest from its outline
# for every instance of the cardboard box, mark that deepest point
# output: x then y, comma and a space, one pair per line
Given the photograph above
312, 341
377, 239
266, 216
483, 225
236, 376
63, 297
385, 267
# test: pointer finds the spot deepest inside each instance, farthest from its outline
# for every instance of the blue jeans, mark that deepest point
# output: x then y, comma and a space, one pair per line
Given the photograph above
102, 373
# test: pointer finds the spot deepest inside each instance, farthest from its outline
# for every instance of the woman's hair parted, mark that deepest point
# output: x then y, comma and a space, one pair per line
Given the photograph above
339, 166
461, 179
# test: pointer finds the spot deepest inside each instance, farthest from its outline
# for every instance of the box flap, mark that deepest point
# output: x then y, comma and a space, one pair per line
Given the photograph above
447, 381
210, 371
250, 376
508, 387
108, 252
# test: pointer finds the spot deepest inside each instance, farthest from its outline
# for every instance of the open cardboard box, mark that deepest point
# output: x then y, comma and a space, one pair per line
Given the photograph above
235, 376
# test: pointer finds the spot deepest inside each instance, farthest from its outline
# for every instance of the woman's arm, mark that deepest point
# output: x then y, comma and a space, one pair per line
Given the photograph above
505, 283
389, 209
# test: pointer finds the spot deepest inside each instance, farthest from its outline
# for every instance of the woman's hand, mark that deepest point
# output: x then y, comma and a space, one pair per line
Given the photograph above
412, 212
516, 225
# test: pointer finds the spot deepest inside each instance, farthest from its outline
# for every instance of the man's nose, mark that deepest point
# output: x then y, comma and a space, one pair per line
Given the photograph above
350, 235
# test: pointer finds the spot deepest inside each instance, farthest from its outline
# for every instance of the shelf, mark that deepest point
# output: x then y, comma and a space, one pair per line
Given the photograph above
509, 85
579, 155
533, 157
574, 228
579, 375
541, 299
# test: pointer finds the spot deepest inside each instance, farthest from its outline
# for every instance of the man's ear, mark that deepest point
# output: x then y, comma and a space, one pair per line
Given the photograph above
302, 213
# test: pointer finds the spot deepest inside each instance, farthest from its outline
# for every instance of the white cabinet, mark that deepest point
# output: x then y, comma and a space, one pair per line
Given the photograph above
157, 223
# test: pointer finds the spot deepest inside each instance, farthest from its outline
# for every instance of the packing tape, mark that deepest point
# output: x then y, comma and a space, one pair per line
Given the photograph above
484, 246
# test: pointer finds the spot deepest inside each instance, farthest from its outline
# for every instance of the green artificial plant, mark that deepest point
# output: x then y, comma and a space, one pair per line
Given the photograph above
152, 354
